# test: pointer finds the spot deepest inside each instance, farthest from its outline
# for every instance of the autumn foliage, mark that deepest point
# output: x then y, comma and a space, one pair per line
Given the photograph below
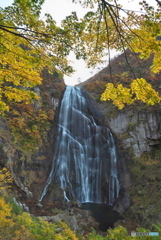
30, 44
139, 90
23, 226
18, 225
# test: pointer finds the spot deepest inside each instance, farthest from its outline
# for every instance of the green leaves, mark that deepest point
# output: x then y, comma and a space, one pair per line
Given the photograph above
33, 6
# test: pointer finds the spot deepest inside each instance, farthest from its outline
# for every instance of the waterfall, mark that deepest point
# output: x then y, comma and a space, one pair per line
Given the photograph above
85, 158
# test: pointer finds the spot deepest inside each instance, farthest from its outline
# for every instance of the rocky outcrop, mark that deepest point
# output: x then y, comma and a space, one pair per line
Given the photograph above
81, 219
78, 220
137, 130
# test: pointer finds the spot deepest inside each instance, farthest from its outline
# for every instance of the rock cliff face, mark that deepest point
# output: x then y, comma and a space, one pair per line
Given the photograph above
138, 127
138, 130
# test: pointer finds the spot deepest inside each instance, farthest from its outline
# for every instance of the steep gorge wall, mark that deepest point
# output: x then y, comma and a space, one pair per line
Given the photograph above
140, 131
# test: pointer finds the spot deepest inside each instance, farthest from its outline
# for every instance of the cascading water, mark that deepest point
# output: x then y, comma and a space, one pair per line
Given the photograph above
85, 159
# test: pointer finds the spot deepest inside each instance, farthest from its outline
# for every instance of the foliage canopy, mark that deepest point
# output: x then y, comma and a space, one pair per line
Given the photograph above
112, 27
28, 44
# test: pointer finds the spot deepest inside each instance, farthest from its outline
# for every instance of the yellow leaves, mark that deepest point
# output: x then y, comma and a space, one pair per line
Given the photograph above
156, 67
41, 116
20, 70
43, 230
66, 233
5, 209
3, 107
19, 94
25, 219
118, 94
19, 73
29, 127
143, 91
5, 214
5, 179
118, 233
140, 90
22, 234
145, 42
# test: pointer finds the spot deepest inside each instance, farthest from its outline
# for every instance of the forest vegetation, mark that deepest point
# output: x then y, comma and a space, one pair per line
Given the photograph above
32, 48
29, 44
18, 225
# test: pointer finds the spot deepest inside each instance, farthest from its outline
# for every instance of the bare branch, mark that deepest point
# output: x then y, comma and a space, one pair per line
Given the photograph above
15, 33
159, 3
108, 41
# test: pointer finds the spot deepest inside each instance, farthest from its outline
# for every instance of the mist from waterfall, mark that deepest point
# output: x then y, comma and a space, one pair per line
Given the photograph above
85, 158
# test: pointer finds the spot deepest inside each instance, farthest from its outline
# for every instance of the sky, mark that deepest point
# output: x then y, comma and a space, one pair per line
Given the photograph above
59, 9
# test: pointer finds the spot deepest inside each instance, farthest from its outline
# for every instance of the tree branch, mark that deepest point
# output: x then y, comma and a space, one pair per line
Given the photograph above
159, 3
